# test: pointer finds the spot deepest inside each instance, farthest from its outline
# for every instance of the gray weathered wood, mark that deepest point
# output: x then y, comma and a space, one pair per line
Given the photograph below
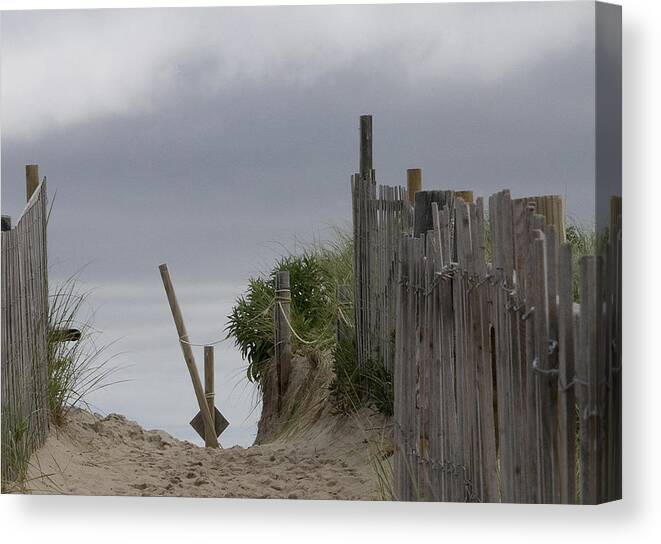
485, 370
365, 146
587, 373
282, 332
209, 389
24, 354
423, 220
566, 397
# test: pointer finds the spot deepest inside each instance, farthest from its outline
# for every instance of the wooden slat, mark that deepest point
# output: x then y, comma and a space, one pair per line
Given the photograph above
566, 397
587, 375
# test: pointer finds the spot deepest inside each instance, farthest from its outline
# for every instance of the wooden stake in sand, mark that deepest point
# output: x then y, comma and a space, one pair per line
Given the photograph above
282, 333
188, 356
209, 393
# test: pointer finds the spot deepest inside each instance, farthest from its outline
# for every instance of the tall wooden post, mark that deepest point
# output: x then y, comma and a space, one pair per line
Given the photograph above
366, 163
31, 179
209, 428
282, 332
209, 393
413, 183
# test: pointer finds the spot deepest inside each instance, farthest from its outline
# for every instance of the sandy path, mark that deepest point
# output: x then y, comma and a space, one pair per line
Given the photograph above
114, 456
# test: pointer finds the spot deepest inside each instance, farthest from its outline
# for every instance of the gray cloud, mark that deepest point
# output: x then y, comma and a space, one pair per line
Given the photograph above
126, 61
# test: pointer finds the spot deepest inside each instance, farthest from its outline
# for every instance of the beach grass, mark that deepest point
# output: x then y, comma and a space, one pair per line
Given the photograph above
79, 367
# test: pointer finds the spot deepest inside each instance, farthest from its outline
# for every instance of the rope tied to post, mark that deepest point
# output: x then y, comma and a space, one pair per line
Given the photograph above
284, 315
215, 343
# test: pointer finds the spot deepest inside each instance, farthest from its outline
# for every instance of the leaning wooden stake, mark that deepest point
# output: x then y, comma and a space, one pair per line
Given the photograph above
188, 355
282, 332
209, 394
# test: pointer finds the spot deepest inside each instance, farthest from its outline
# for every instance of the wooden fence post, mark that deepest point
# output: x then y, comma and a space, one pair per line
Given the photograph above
282, 334
366, 164
413, 183
188, 355
209, 393
31, 179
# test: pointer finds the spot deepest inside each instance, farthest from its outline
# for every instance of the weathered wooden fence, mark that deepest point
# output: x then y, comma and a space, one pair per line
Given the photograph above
24, 328
496, 375
505, 389
379, 219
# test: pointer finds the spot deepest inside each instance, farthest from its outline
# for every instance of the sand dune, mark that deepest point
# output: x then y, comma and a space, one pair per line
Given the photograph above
91, 455
305, 450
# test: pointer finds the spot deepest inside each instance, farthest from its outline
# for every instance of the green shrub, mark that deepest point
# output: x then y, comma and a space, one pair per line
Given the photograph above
251, 325
314, 276
315, 310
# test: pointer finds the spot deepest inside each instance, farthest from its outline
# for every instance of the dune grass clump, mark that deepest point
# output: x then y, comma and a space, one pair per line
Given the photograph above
354, 386
314, 276
16, 450
75, 368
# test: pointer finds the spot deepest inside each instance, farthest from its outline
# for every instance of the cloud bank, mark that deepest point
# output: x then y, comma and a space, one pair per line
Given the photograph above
61, 68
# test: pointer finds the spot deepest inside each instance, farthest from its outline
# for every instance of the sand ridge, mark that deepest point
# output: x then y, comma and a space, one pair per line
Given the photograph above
94, 455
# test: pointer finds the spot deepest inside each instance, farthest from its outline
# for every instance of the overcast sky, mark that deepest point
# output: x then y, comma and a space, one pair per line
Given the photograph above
208, 138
